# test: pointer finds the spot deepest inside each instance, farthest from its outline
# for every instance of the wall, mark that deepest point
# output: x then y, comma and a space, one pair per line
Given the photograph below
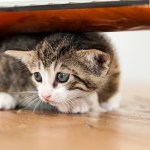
133, 49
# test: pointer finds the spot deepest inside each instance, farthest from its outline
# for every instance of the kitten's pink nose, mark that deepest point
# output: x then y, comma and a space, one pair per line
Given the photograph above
47, 97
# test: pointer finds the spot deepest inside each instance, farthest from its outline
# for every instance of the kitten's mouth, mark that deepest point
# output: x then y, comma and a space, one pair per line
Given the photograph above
53, 103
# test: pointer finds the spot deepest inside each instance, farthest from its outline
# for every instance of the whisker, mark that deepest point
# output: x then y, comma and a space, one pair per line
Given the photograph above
66, 105
41, 106
26, 92
29, 99
70, 103
38, 103
31, 103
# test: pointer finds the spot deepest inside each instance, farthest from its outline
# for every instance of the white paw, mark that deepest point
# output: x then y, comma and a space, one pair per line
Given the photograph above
63, 108
78, 106
113, 103
82, 107
7, 101
87, 104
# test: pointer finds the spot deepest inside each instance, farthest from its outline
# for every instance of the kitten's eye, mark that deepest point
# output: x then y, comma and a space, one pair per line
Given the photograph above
37, 76
62, 77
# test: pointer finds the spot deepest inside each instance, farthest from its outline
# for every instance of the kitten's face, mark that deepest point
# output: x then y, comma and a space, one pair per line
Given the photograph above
63, 77
57, 84
73, 75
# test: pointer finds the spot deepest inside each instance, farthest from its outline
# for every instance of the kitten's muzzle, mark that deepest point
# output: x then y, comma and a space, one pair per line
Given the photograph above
47, 98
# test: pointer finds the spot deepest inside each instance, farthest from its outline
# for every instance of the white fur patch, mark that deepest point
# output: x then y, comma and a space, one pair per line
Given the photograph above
7, 101
93, 102
83, 105
113, 103
63, 108
78, 106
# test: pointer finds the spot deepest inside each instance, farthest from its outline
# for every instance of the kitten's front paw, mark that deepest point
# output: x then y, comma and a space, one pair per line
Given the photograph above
7, 101
78, 106
81, 107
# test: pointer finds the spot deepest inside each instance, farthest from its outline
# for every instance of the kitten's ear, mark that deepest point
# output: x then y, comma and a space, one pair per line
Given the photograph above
96, 60
24, 56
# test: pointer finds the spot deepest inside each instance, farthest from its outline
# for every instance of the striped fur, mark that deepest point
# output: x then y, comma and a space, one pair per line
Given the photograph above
88, 58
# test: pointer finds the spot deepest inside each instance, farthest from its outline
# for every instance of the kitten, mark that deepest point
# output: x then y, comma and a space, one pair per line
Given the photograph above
74, 72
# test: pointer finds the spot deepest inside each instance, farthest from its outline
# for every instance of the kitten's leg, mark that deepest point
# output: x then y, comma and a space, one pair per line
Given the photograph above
80, 107
110, 96
89, 103
76, 106
113, 103
7, 101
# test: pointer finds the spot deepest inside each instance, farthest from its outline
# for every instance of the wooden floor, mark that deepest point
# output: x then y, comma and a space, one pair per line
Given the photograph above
126, 129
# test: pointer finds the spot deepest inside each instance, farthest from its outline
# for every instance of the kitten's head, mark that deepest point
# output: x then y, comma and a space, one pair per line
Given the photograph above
63, 75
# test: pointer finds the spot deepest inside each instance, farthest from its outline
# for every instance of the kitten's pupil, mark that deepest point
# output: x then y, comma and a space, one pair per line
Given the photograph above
62, 77
37, 77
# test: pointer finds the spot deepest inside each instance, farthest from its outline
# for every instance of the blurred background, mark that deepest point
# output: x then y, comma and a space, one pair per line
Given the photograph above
133, 49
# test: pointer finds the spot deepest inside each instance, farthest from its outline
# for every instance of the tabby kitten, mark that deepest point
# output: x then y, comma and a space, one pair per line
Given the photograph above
74, 72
